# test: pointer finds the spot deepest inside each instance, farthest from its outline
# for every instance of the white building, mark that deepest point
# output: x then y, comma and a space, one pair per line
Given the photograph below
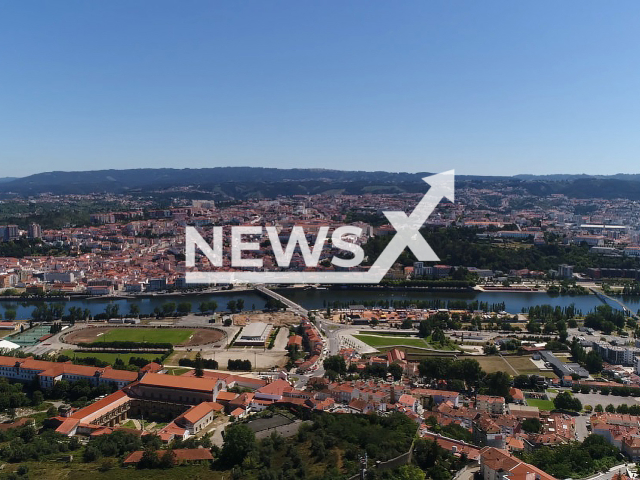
255, 334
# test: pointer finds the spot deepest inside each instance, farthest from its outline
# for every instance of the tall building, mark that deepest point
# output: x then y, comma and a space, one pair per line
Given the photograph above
565, 271
34, 231
9, 233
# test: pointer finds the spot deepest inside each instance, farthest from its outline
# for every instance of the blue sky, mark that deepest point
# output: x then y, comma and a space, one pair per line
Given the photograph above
483, 87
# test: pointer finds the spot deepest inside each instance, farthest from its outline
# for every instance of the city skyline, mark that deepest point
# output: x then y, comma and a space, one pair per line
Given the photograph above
497, 89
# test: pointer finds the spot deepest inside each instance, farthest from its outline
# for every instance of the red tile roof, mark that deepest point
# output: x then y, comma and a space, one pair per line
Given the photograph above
89, 410
67, 426
181, 455
275, 388
180, 382
194, 414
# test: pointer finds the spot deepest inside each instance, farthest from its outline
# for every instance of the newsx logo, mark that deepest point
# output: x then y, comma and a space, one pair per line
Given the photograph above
407, 235
311, 255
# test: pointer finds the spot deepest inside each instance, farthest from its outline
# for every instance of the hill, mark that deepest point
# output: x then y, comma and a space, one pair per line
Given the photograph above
239, 183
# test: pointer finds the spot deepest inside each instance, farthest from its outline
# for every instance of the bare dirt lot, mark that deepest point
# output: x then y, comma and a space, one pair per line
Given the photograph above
260, 359
204, 336
200, 336
277, 319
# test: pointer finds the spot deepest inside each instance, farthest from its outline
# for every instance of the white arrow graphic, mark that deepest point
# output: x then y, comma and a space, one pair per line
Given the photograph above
407, 235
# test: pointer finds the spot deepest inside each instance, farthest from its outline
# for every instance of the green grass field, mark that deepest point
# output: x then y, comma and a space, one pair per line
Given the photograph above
541, 404
156, 335
389, 340
129, 424
110, 358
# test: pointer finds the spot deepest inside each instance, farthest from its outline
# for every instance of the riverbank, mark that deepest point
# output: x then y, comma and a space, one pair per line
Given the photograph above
319, 299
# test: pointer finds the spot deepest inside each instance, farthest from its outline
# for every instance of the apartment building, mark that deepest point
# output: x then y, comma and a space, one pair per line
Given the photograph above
490, 404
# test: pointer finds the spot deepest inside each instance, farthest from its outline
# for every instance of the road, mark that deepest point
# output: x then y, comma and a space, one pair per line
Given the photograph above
622, 468
467, 472
217, 427
291, 305
330, 331
581, 428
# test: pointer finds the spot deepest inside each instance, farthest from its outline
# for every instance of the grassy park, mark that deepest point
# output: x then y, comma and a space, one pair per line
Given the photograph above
399, 340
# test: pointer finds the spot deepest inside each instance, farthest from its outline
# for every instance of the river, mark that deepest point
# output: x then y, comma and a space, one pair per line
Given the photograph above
317, 299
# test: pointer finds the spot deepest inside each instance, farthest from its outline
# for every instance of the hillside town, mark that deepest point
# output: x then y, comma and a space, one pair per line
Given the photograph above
141, 249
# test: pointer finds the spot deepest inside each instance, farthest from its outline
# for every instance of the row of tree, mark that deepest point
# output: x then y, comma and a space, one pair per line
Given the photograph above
244, 365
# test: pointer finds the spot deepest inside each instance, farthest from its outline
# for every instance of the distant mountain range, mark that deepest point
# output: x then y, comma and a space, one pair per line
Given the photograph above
251, 182
560, 177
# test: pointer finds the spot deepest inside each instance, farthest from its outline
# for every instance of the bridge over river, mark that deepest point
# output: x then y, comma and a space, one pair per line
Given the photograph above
613, 302
291, 305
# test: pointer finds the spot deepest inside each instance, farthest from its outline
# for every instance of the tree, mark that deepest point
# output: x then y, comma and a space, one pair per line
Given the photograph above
562, 336
149, 459
184, 308
425, 328
593, 362
599, 408
524, 381
532, 425
426, 453
410, 472
112, 310
437, 336
10, 315
239, 441
231, 306
498, 383
240, 304
37, 398
199, 372
490, 349
168, 459
90, 454
407, 324
622, 408
610, 408
566, 401
134, 310
168, 309
336, 364
396, 371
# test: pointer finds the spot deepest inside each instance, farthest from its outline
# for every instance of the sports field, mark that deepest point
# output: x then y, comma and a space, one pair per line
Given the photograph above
541, 404
512, 364
175, 336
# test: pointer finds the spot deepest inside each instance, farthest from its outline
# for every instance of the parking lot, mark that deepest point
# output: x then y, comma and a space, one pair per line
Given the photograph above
597, 336
594, 399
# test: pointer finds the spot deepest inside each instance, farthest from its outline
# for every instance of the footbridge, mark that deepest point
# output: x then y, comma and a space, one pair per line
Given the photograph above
613, 302
276, 296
